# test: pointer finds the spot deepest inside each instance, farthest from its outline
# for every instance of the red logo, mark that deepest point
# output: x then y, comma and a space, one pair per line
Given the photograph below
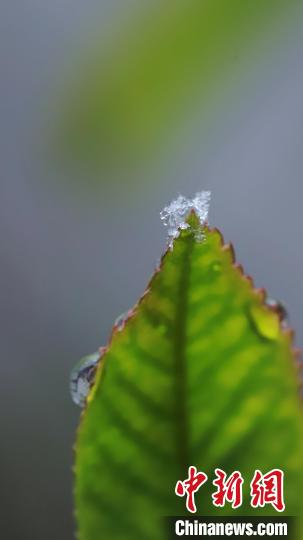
268, 489
190, 486
264, 489
229, 489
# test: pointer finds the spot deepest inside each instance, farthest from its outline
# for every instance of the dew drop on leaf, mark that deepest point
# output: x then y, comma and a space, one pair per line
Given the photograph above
278, 308
216, 267
265, 321
82, 377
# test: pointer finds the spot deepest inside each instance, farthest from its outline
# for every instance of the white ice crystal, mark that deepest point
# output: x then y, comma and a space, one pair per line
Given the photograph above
175, 214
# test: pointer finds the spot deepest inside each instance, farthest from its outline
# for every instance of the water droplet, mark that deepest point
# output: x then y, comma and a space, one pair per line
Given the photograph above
216, 267
278, 308
175, 214
265, 322
82, 378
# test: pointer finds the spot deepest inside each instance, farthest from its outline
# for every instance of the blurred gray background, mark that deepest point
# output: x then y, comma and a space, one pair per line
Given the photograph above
71, 261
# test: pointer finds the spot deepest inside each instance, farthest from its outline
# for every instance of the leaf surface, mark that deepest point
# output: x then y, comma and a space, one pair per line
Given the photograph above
202, 374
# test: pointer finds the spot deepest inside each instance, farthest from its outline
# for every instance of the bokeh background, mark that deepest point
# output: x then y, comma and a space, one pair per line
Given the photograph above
78, 244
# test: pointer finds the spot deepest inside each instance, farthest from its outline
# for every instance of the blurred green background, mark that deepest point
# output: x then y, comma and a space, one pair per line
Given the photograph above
80, 238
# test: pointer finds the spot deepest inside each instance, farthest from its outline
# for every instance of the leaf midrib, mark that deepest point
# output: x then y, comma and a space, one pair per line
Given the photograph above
182, 426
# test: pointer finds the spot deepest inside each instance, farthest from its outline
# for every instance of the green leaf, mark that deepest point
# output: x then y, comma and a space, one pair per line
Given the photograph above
175, 57
202, 374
